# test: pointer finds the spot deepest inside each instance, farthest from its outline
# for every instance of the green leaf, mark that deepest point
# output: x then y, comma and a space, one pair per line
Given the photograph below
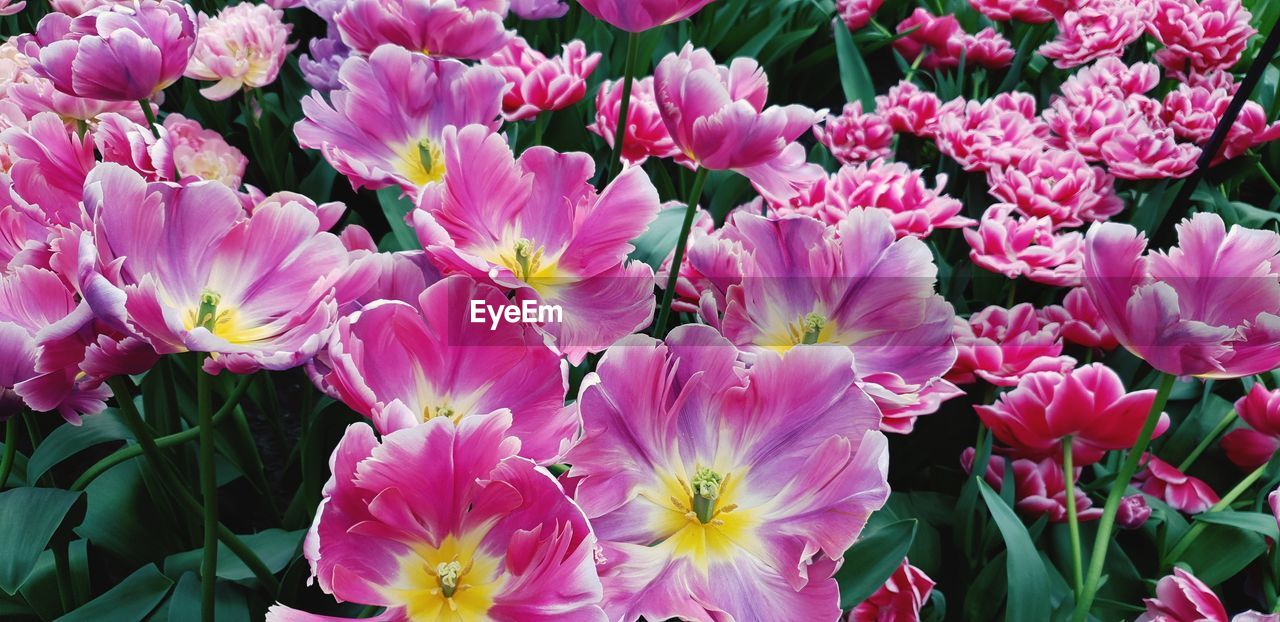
1257, 522
68, 440
31, 516
132, 599
1221, 551
872, 560
1028, 582
275, 547
184, 604
854, 77
396, 207
653, 246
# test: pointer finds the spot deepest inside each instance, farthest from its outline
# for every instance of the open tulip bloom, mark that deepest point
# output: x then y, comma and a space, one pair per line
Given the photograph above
624, 310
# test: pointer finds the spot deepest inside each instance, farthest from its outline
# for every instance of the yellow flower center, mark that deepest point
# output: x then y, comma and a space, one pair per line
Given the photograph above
222, 320
422, 163
700, 520
527, 260
453, 583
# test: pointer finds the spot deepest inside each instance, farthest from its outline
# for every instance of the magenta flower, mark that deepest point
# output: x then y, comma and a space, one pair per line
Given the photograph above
118, 52
647, 134
1133, 512
540, 84
1200, 36
539, 9
722, 491
902, 419
384, 125
1056, 184
9, 7
468, 29
535, 225
1028, 11
1097, 29
185, 268
855, 136
998, 132
1251, 447
1193, 110
1165, 482
947, 42
1013, 246
50, 163
1088, 403
1181, 597
242, 48
33, 93
1079, 322
1040, 487
1143, 150
898, 600
402, 364
857, 13
1002, 345
202, 154
439, 522
1207, 307
909, 109
78, 7
717, 117
641, 15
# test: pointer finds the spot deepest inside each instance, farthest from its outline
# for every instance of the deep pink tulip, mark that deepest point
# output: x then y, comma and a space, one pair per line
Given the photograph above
242, 48
1193, 110
1208, 307
902, 419
1200, 35
1181, 597
647, 134
50, 162
983, 135
1166, 483
539, 84
1014, 246
468, 29
898, 600
946, 43
118, 52
1097, 29
641, 15
1079, 322
539, 9
1028, 11
32, 93
1133, 513
717, 117
1001, 345
857, 13
855, 136
1251, 447
1040, 489
909, 109
1057, 184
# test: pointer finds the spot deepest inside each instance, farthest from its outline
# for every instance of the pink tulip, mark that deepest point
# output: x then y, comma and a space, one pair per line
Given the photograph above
1273, 500
24, 233
536, 227
1097, 29
1181, 597
9, 7
327, 214
902, 419
855, 137
1252, 447
32, 93
1133, 512
1079, 322
466, 29
909, 109
857, 13
987, 49
637, 16
50, 163
118, 52
717, 117
1193, 110
898, 600
439, 521
1207, 307
202, 154
1001, 346
1141, 150
711, 264
721, 491
1088, 404
185, 268
539, 9
539, 84
1040, 488
322, 63
1200, 35
1100, 96
983, 135
1165, 482
647, 134
384, 126
242, 48
1012, 246
75, 8
1027, 11
1058, 185
947, 43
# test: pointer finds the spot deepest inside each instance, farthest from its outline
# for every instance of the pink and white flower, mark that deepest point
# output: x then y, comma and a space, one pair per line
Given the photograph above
1166, 483
466, 29
855, 136
1013, 246
539, 84
242, 48
1001, 346
898, 600
646, 133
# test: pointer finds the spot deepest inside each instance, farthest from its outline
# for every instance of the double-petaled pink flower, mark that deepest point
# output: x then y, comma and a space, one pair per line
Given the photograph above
1015, 246
1251, 447
857, 13
470, 29
717, 117
1039, 486
117, 52
1181, 597
539, 84
898, 600
1079, 322
49, 165
1097, 29
1200, 35
242, 48
1002, 345
641, 15
722, 491
1028, 11
539, 9
1193, 109
943, 42
897, 190
1207, 307
439, 522
855, 136
184, 152
536, 226
1179, 490
32, 93
646, 133
983, 135
909, 109
1100, 100
1056, 184
384, 126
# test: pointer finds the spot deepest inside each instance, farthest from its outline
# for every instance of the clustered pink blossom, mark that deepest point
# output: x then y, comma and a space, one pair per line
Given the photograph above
909, 109
646, 133
539, 84
855, 136
943, 42
1200, 35
857, 13
1017, 246
243, 47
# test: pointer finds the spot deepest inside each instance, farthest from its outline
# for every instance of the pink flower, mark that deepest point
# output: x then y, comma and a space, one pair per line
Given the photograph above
1003, 345
864, 290
909, 110
1200, 36
401, 364
857, 13
322, 63
893, 188
647, 134
1006, 244
327, 214
902, 419
468, 29
1140, 150
438, 521
1040, 488
1207, 307
1097, 29
1273, 500
539, 9
1028, 11
712, 263
717, 117
1165, 482
118, 52
78, 7
1181, 597
987, 49
1058, 185
384, 126
535, 226
1251, 447
539, 84
1193, 111
898, 600
242, 48
722, 491
983, 135
1079, 322
948, 43
855, 137
185, 268
1087, 403
1086, 122
9, 7
1133, 512
33, 93
641, 15
50, 163
202, 154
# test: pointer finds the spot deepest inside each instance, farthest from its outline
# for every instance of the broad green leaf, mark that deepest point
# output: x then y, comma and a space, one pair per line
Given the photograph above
854, 77
1257, 522
1028, 597
395, 208
132, 599
1221, 551
656, 243
872, 560
275, 547
31, 516
184, 604
68, 440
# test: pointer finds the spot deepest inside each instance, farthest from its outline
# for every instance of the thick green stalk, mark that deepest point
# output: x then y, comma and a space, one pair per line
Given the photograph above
151, 117
628, 77
62, 569
1073, 519
1185, 541
1108, 521
1205, 442
208, 493
669, 294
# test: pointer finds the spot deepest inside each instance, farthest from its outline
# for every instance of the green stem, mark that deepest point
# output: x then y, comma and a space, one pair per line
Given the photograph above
1118, 487
10, 449
624, 108
669, 294
1271, 181
208, 493
1205, 442
151, 117
1073, 520
62, 568
1187, 538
